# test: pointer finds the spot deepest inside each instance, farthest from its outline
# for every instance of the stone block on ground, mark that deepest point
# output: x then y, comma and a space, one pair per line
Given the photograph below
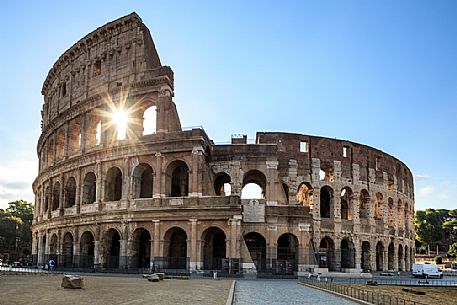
161, 275
153, 278
72, 282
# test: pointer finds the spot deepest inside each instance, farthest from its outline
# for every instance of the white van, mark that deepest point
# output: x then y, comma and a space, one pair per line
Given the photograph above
426, 270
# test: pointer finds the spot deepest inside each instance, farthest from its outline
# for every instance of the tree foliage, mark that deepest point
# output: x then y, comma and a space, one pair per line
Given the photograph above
429, 226
15, 232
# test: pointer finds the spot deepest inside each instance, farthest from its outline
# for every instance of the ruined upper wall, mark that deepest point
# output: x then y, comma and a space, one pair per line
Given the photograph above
114, 55
372, 163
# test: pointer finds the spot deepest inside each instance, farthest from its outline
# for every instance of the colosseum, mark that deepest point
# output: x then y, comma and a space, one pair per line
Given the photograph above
123, 187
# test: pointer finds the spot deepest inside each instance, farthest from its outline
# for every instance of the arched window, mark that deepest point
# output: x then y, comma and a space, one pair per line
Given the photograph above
326, 172
150, 121
364, 204
326, 198
60, 144
254, 185
305, 195
70, 192
346, 203
326, 255
93, 129
89, 188
56, 196
379, 209
74, 142
222, 185
213, 248
178, 179
113, 184
142, 181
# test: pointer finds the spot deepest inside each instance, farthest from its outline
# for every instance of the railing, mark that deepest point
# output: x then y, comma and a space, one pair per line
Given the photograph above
372, 297
396, 282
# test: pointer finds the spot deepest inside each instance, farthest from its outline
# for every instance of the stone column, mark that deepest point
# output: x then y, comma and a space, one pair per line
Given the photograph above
157, 187
61, 195
235, 224
358, 255
66, 140
82, 147
194, 263
46, 247
76, 248
99, 182
271, 195
385, 260
195, 186
156, 245
40, 249
97, 252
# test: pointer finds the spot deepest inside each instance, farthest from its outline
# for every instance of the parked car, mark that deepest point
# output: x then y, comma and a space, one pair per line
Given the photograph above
427, 271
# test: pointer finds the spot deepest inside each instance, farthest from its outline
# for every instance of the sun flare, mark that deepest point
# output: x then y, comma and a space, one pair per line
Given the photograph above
120, 119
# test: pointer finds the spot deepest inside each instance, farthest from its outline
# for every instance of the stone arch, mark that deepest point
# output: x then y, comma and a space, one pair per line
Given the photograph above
87, 249
390, 203
47, 199
140, 249
287, 254
177, 179
347, 254
379, 208
56, 196
175, 248
213, 248
346, 203
60, 144
142, 180
222, 186
326, 201
74, 137
379, 256
67, 250
390, 256
150, 120
93, 129
113, 184
326, 171
257, 248
366, 257
89, 188
53, 248
305, 194
326, 255
364, 204
401, 259
400, 218
254, 177
70, 192
111, 248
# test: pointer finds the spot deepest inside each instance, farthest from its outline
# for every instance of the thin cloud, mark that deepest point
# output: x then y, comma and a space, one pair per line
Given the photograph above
425, 191
16, 180
420, 177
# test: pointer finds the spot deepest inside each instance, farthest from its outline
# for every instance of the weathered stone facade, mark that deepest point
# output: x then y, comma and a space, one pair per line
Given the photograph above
159, 200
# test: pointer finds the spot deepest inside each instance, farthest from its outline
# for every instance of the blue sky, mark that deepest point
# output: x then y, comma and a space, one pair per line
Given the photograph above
381, 73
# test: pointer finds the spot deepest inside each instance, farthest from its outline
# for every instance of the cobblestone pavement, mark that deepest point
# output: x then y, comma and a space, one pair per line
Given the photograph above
282, 292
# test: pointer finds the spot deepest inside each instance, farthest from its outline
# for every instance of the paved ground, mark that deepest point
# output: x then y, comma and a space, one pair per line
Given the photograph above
271, 292
103, 290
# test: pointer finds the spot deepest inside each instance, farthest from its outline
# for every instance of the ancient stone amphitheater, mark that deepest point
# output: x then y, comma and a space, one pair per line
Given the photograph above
122, 186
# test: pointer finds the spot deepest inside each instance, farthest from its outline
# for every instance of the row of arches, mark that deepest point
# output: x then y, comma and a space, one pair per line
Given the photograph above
142, 182
99, 126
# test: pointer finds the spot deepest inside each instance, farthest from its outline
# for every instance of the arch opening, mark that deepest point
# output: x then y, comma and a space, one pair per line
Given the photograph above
257, 248
113, 184
214, 249
143, 181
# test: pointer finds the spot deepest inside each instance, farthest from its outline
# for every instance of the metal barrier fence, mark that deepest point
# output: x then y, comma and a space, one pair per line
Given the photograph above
8, 269
396, 282
360, 294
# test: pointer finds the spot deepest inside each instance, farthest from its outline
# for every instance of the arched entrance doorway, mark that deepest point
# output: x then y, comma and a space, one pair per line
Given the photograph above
214, 248
67, 250
257, 248
87, 245
326, 254
176, 252
112, 247
379, 256
140, 249
287, 253
366, 259
347, 254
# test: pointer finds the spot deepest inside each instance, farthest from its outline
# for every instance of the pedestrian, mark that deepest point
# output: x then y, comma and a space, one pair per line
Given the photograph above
51, 264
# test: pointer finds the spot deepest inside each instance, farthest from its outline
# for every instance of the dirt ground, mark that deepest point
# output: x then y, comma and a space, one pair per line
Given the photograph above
101, 290
433, 296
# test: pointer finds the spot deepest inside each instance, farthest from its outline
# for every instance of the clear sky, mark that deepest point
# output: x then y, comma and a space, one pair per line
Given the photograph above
381, 73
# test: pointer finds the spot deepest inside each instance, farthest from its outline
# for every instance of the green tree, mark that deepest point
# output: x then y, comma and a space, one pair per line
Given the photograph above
15, 231
429, 226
